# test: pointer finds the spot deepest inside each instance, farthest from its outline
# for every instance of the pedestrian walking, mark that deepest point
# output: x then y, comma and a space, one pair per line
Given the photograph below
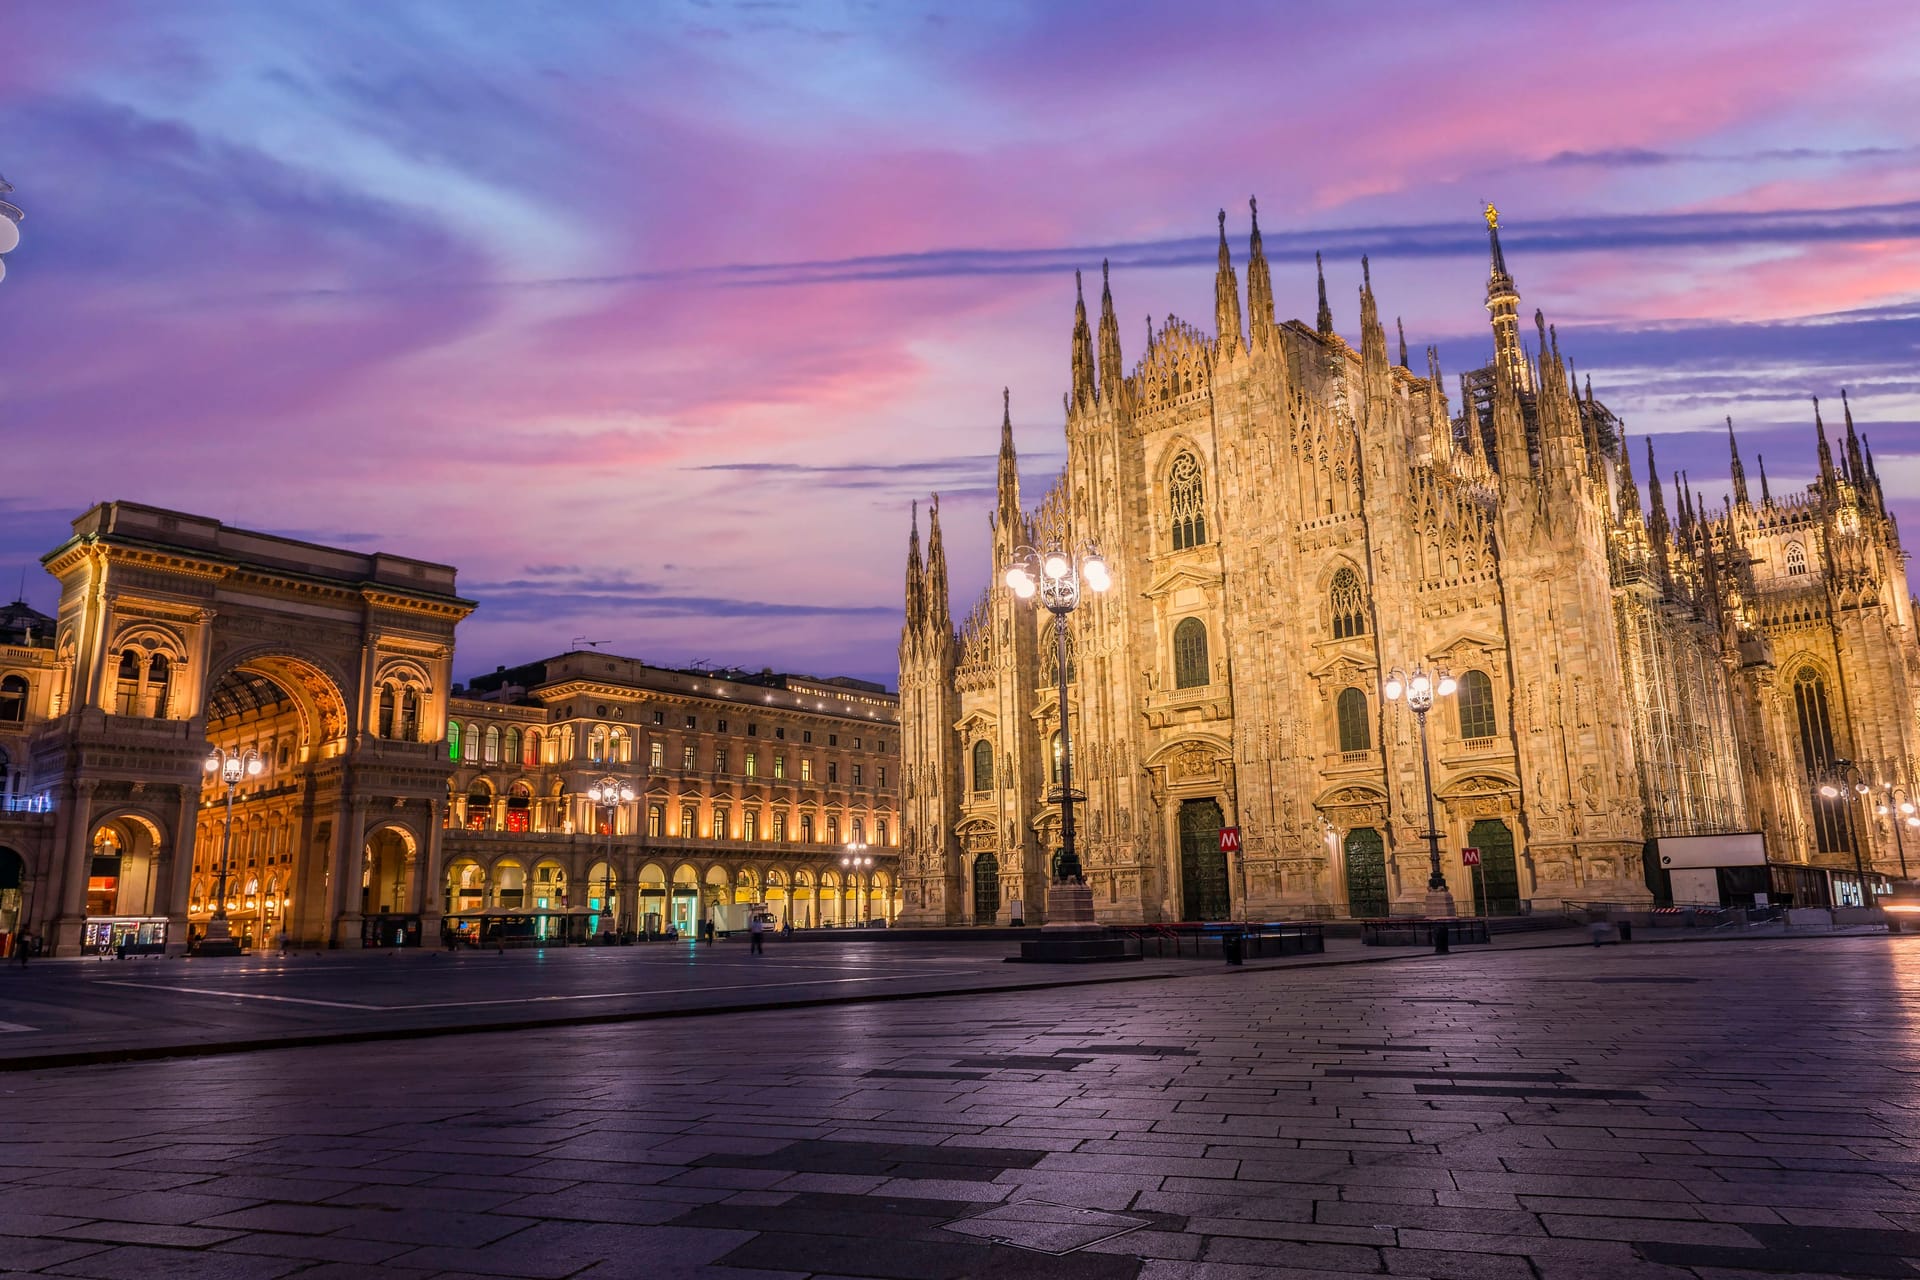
283, 942
757, 933
22, 948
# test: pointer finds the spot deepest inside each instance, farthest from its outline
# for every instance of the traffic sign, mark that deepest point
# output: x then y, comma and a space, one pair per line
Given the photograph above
1469, 857
1229, 839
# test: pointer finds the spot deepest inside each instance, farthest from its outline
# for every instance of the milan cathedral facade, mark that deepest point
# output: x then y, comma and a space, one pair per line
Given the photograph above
1286, 520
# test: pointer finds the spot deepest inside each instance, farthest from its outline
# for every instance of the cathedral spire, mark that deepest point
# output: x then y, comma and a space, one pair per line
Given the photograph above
1082, 348
1828, 485
1373, 338
1401, 329
1739, 472
1008, 507
1854, 464
939, 619
1657, 525
1873, 477
916, 576
1112, 370
1629, 492
1226, 296
1503, 304
1766, 495
1259, 283
1324, 321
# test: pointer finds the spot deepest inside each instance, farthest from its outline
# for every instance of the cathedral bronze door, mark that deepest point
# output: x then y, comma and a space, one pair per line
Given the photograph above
1203, 868
986, 889
1366, 873
1499, 874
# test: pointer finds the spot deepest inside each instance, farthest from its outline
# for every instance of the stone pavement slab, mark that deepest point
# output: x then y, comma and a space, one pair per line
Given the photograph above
1670, 1113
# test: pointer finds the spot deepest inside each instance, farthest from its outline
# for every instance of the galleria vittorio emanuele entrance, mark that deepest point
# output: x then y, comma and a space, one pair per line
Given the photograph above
326, 671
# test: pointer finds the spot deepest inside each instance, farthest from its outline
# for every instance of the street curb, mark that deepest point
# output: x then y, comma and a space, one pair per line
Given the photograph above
222, 1048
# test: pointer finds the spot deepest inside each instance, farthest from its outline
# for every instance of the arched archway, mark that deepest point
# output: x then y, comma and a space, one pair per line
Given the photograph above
289, 714
124, 848
652, 884
386, 884
684, 900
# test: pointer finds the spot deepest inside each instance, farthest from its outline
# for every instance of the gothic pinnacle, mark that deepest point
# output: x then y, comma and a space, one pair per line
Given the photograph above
1324, 322
1739, 472
1401, 329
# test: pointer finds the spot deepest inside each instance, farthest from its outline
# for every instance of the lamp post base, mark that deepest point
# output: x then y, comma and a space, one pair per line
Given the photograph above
219, 939
1440, 904
1069, 907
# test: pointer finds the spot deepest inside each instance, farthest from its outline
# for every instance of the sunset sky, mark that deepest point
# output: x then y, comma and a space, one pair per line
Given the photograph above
654, 319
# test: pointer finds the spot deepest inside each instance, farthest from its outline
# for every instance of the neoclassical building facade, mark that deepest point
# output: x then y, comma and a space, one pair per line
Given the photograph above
1286, 520
746, 788
386, 797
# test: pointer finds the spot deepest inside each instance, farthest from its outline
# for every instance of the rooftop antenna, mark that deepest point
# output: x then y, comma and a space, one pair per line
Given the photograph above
582, 640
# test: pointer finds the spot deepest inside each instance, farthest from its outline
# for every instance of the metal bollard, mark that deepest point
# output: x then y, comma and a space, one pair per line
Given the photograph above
1440, 947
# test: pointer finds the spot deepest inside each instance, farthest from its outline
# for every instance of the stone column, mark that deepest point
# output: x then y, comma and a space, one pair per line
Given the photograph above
428, 890
71, 872
349, 857
175, 885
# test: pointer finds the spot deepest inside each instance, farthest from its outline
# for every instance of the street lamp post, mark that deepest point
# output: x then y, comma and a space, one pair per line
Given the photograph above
610, 793
231, 767
1056, 577
855, 862
1896, 805
1419, 690
1841, 774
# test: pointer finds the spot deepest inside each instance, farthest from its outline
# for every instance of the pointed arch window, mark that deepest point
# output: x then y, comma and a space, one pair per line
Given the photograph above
1349, 601
1475, 700
1832, 833
1796, 558
1186, 499
1190, 654
383, 727
409, 715
983, 765
1354, 721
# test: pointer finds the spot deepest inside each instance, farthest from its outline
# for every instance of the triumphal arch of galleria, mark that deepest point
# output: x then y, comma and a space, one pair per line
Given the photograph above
175, 632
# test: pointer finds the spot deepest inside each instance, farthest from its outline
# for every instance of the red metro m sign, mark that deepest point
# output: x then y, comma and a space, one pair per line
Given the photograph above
1229, 839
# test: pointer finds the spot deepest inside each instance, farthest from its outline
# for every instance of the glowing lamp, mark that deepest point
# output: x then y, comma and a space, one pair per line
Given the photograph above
1828, 790
1393, 688
1095, 571
1056, 566
1447, 684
